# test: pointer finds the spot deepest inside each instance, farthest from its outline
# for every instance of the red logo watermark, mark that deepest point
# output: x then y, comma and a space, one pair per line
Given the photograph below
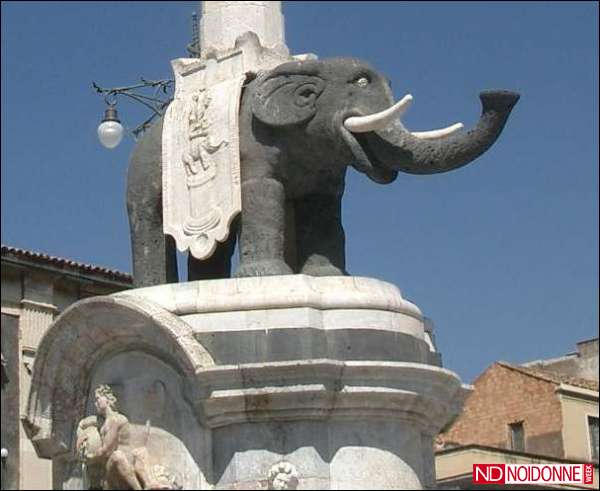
533, 474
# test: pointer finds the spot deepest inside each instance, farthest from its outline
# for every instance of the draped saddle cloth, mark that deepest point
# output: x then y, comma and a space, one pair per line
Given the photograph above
200, 145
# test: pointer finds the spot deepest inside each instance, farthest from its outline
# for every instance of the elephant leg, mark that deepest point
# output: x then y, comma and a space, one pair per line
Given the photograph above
218, 265
320, 235
153, 253
262, 236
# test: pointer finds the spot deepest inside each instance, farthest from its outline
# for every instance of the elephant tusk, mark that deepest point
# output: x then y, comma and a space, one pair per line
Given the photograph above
435, 134
378, 121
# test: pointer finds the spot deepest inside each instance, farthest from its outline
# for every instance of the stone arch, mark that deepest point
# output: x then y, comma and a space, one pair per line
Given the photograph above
82, 336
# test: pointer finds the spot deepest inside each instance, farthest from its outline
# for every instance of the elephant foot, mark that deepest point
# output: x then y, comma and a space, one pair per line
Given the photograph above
264, 268
322, 270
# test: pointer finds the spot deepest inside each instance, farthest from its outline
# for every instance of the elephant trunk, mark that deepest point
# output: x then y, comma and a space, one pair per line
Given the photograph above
397, 149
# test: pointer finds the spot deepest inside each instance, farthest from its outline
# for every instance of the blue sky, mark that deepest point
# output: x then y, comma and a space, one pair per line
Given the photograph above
502, 254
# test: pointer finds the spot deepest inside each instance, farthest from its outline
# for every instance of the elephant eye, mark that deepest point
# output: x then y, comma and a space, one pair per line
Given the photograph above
362, 82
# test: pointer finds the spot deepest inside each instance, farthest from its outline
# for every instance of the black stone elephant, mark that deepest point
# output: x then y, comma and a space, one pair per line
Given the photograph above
301, 125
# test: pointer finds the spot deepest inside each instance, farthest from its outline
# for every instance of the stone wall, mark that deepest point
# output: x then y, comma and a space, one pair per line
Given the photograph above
503, 396
9, 399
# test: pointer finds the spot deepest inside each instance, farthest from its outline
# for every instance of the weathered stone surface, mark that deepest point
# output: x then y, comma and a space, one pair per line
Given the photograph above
325, 389
281, 343
289, 291
223, 22
325, 455
297, 318
254, 383
82, 337
161, 435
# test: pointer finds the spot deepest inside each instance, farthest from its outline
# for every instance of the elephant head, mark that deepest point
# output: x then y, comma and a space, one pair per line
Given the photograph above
343, 111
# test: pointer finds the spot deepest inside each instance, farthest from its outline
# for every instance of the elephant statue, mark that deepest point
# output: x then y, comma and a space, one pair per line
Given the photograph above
301, 125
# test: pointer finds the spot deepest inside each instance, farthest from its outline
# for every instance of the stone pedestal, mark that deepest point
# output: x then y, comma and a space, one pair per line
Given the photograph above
253, 383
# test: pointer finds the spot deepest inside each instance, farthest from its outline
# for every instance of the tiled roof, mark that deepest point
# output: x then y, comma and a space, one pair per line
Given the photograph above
554, 377
62, 263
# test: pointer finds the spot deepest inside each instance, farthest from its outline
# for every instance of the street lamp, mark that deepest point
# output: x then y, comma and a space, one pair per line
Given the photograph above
110, 131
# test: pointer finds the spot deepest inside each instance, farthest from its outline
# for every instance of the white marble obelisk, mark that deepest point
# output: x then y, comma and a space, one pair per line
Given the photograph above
223, 22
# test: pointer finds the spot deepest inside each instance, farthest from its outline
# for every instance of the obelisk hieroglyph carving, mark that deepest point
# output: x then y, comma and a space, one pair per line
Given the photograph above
201, 162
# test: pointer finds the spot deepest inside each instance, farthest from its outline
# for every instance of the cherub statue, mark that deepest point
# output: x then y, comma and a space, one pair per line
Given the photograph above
282, 475
105, 449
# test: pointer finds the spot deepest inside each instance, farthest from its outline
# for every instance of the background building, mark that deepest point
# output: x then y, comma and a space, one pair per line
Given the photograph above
524, 414
582, 363
35, 289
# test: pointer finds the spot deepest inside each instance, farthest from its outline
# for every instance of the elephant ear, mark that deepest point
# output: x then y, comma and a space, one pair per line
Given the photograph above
285, 98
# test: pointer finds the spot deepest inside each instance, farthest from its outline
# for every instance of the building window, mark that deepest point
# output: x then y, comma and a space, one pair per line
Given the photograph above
593, 427
517, 436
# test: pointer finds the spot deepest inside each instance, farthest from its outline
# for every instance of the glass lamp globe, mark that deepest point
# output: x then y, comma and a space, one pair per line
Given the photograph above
110, 130
4, 453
